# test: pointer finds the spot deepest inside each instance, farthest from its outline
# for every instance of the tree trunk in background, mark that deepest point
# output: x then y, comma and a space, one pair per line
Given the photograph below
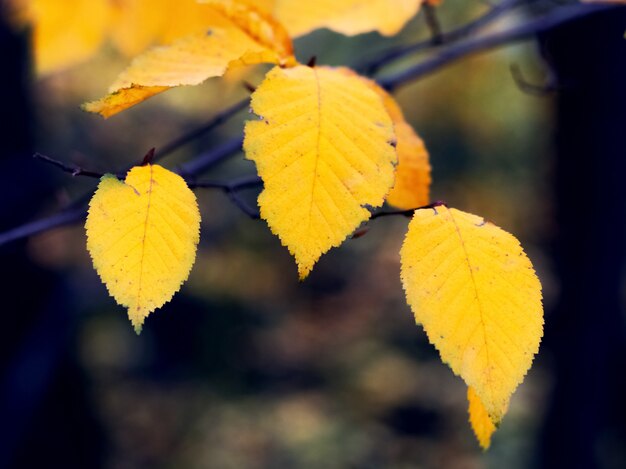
585, 335
45, 419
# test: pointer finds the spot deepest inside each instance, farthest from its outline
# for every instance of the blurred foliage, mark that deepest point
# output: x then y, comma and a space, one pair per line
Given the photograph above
247, 367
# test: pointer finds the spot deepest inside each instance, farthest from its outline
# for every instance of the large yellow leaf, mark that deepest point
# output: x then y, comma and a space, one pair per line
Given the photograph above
479, 419
67, 31
142, 235
345, 16
242, 37
411, 188
324, 149
471, 286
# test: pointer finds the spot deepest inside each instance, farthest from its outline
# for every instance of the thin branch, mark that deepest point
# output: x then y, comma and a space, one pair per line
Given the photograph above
432, 21
407, 213
455, 35
209, 159
231, 188
525, 86
484, 43
65, 217
244, 182
215, 122
74, 170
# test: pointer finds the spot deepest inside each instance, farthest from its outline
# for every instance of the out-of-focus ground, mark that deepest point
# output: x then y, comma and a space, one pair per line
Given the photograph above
247, 367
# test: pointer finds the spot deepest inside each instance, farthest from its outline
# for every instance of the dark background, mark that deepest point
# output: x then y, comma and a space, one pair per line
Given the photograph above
247, 367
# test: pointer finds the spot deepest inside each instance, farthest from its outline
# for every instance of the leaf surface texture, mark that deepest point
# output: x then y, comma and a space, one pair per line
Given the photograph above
142, 235
323, 146
474, 290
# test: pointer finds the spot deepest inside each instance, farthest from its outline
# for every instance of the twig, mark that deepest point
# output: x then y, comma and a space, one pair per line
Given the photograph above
407, 213
209, 159
231, 188
432, 21
65, 217
396, 53
72, 169
481, 44
530, 88
215, 122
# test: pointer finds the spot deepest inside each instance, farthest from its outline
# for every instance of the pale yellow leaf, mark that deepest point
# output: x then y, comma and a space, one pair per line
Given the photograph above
349, 17
479, 419
323, 146
66, 32
412, 180
142, 235
474, 290
242, 38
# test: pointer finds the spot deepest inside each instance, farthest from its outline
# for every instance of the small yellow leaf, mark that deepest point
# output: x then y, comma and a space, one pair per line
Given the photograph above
479, 419
243, 37
412, 182
142, 235
323, 147
349, 17
472, 287
67, 31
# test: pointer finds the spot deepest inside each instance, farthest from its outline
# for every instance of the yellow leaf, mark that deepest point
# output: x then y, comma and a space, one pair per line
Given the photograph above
349, 17
479, 419
244, 38
136, 24
412, 182
471, 286
323, 147
142, 235
67, 31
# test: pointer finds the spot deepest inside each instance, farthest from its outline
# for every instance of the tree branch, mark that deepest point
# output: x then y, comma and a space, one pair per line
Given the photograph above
65, 217
211, 158
455, 35
215, 122
72, 169
472, 46
455, 51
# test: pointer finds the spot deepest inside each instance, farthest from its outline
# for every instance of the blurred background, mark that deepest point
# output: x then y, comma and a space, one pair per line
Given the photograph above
249, 368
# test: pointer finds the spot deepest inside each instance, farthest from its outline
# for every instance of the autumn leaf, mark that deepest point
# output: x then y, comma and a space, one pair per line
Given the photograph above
479, 419
411, 188
66, 31
136, 24
236, 36
323, 146
474, 290
142, 235
349, 17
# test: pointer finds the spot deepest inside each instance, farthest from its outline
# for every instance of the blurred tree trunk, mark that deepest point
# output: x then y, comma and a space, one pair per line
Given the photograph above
45, 420
585, 421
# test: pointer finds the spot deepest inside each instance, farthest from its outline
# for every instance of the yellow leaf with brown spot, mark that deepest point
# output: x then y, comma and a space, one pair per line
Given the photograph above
243, 37
481, 423
142, 235
474, 290
323, 146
